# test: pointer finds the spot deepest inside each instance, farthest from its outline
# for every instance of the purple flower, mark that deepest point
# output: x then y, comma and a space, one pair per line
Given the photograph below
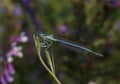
17, 11
8, 70
114, 3
22, 38
2, 80
8, 76
15, 51
11, 68
63, 29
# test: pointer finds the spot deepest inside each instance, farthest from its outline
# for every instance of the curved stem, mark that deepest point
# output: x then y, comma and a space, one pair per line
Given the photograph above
52, 74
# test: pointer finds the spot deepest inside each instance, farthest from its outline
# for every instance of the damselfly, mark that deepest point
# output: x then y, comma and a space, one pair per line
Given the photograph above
48, 38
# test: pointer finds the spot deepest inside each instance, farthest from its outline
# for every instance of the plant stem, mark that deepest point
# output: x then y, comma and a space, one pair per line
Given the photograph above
52, 74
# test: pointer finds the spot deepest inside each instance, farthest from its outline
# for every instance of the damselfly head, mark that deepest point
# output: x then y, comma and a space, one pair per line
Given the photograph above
40, 33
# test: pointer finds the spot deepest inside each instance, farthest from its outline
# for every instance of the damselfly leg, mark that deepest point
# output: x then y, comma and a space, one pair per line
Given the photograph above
46, 43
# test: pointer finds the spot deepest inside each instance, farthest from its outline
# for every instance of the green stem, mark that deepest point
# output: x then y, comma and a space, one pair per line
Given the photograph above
52, 74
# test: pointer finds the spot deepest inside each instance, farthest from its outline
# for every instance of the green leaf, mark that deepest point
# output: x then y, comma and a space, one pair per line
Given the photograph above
50, 61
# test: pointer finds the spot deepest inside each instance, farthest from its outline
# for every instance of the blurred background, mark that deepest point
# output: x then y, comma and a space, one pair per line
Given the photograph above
92, 23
